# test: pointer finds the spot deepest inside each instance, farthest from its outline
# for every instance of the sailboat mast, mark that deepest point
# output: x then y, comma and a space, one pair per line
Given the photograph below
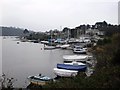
51, 38
68, 33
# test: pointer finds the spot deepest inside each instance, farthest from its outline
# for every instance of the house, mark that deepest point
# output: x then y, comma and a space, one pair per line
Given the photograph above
99, 25
94, 32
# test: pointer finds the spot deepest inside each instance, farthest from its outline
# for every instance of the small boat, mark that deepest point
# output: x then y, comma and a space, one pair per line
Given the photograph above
65, 46
38, 79
77, 58
49, 47
79, 49
72, 67
45, 42
75, 63
65, 73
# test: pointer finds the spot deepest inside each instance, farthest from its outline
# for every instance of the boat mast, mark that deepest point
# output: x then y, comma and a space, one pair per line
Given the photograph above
51, 38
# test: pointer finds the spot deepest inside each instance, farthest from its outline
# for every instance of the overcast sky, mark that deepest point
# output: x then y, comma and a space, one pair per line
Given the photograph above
119, 12
44, 15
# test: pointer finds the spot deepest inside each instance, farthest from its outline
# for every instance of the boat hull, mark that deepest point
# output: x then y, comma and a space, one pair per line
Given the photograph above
65, 46
35, 82
77, 58
65, 73
72, 67
49, 48
79, 52
75, 63
39, 80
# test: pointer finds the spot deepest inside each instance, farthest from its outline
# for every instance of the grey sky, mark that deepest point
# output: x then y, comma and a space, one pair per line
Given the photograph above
43, 15
119, 12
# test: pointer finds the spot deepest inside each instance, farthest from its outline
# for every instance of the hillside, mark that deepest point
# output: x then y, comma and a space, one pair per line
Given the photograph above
11, 31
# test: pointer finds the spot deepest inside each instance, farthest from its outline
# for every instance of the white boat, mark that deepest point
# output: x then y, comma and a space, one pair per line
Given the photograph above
77, 58
65, 73
49, 47
79, 49
45, 42
85, 39
75, 63
65, 46
38, 79
58, 46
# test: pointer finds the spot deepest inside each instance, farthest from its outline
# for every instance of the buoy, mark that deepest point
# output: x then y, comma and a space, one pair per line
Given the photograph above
17, 42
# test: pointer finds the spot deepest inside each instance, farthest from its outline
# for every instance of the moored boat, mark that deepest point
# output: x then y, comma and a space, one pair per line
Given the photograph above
38, 79
45, 42
65, 73
65, 46
79, 49
75, 63
49, 47
72, 67
77, 58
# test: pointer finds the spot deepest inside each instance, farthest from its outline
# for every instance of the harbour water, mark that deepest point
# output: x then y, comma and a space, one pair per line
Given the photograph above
27, 58
0, 56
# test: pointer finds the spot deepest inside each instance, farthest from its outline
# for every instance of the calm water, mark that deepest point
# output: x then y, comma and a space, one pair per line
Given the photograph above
0, 56
24, 59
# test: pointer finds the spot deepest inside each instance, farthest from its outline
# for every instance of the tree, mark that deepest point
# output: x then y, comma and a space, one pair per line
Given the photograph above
25, 31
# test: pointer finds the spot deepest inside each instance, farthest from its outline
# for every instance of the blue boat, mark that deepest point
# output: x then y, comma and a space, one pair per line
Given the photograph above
72, 67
